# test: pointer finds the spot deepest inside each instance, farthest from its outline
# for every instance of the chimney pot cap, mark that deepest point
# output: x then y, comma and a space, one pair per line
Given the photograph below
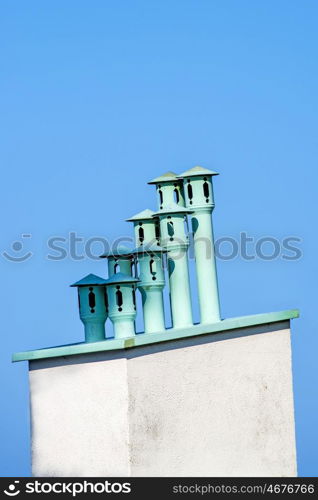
145, 249
167, 177
120, 251
196, 171
90, 280
144, 215
173, 209
120, 278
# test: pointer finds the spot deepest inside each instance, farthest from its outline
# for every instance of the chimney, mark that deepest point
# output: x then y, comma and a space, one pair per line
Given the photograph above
152, 282
120, 260
169, 190
151, 273
175, 240
146, 227
92, 302
185, 401
122, 304
199, 198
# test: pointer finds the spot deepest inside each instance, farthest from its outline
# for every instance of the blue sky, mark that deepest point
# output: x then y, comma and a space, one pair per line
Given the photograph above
99, 97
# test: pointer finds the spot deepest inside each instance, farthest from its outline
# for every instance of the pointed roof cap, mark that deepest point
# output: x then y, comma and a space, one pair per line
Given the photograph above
145, 249
90, 280
193, 172
118, 278
167, 177
173, 209
120, 251
144, 215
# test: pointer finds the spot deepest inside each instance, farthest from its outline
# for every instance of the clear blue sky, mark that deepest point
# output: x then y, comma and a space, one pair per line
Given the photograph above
99, 97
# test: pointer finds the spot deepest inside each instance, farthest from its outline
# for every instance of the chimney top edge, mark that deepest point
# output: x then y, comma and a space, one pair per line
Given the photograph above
166, 177
197, 171
144, 215
90, 280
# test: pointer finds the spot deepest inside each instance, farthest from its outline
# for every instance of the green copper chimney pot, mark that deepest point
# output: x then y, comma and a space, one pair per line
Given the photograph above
150, 264
146, 228
92, 301
151, 285
199, 197
174, 237
122, 304
195, 171
169, 190
120, 259
172, 226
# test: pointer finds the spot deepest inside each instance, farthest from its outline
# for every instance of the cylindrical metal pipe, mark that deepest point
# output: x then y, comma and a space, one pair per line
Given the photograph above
203, 242
175, 240
169, 190
93, 306
152, 282
120, 260
120, 264
122, 304
153, 308
199, 197
180, 296
148, 255
146, 228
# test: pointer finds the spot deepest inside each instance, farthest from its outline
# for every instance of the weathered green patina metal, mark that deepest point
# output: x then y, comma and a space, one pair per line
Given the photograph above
156, 234
146, 228
122, 304
151, 273
230, 324
120, 259
174, 238
169, 190
197, 171
151, 285
199, 198
92, 301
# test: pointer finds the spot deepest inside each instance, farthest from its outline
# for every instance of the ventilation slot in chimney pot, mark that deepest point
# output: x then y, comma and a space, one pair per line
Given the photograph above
141, 233
206, 190
190, 192
91, 299
176, 194
160, 196
170, 229
119, 298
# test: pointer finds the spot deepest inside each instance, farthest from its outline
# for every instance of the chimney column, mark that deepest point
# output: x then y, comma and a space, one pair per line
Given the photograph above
122, 304
169, 190
92, 301
151, 273
152, 282
175, 240
199, 198
120, 260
